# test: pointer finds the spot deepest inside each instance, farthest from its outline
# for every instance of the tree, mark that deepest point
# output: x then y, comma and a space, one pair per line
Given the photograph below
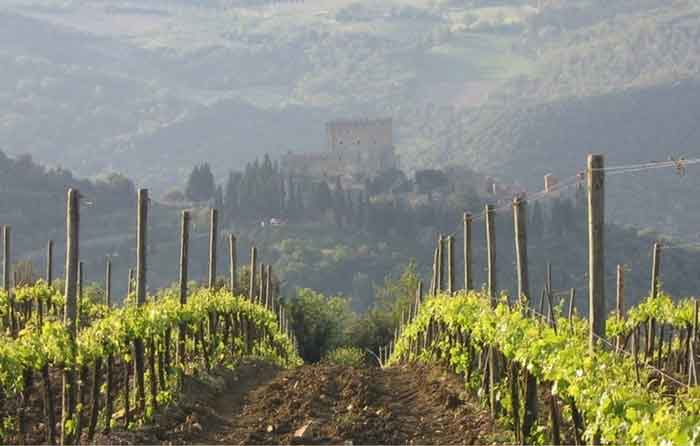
322, 197
231, 199
200, 184
320, 323
392, 299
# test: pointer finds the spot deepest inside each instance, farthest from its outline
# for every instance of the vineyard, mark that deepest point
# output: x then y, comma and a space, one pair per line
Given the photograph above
74, 367
627, 377
71, 366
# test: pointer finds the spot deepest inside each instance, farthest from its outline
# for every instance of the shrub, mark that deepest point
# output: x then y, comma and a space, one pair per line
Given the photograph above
345, 356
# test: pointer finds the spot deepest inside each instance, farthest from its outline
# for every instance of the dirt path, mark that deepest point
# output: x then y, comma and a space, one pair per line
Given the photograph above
318, 404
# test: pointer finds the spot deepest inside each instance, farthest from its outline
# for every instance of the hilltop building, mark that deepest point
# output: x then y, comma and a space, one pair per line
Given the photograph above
356, 149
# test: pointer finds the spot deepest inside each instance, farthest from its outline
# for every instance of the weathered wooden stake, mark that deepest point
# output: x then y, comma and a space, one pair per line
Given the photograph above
184, 254
70, 312
572, 303
232, 267
268, 287
81, 271
253, 260
450, 264
49, 262
261, 285
520, 227
620, 300
491, 258
491, 254
468, 277
419, 296
141, 233
6, 282
692, 366
109, 378
596, 254
433, 279
130, 286
213, 238
655, 265
440, 264
519, 224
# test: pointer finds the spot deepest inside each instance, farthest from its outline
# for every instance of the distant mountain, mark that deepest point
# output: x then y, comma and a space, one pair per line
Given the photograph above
627, 86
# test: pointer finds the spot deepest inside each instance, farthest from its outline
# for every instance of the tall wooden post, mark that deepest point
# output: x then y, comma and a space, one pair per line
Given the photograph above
70, 313
523, 292
440, 264
232, 267
109, 378
596, 262
141, 233
213, 238
468, 277
268, 287
253, 260
434, 278
81, 271
450, 264
49, 262
130, 285
520, 226
108, 283
184, 254
6, 281
491, 258
620, 298
491, 253
653, 292
419, 296
261, 285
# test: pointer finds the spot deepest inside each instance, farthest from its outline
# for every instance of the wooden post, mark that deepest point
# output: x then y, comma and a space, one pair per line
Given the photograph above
268, 287
440, 264
450, 264
184, 253
491, 254
655, 265
81, 271
6, 282
213, 237
253, 260
108, 283
519, 223
548, 288
520, 227
232, 267
692, 366
620, 298
572, 303
419, 296
596, 255
109, 379
70, 313
468, 277
49, 262
433, 280
130, 286
491, 257
261, 285
141, 233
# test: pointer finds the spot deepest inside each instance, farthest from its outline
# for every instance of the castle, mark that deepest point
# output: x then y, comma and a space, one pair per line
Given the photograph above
356, 149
